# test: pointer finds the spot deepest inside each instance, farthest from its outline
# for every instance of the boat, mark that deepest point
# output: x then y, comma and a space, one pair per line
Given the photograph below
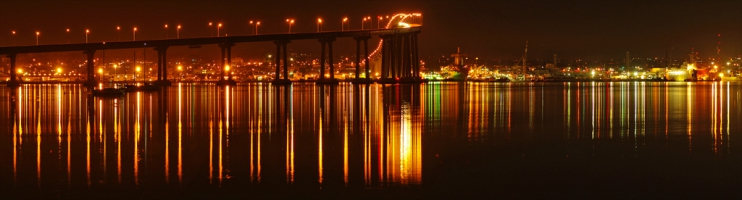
109, 92
456, 71
141, 88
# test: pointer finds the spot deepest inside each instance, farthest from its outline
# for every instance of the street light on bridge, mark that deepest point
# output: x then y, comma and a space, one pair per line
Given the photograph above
118, 30
290, 21
87, 31
13, 37
342, 25
255, 32
211, 30
37, 37
177, 33
167, 33
363, 23
135, 34
378, 23
319, 24
217, 29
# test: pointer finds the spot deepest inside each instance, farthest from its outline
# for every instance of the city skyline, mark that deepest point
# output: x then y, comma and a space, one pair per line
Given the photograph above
490, 30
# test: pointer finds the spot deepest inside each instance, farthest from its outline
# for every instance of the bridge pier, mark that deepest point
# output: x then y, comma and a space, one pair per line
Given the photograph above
90, 82
322, 80
13, 82
281, 47
162, 66
226, 67
367, 79
399, 62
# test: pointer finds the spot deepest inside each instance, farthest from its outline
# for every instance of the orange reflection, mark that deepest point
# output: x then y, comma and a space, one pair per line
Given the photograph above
180, 133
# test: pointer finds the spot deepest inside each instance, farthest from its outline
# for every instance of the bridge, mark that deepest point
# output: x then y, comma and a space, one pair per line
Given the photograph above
399, 54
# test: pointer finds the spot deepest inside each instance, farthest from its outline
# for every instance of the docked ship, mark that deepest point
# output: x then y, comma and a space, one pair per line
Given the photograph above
456, 71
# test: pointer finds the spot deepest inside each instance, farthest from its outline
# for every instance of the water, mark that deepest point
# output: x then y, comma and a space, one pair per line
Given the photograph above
436, 140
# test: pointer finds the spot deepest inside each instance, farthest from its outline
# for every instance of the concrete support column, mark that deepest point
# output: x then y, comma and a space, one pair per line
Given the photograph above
358, 57
385, 57
90, 82
405, 57
226, 64
223, 60
159, 65
415, 57
322, 60
229, 63
281, 47
285, 61
393, 56
365, 57
322, 79
278, 60
13, 82
332, 64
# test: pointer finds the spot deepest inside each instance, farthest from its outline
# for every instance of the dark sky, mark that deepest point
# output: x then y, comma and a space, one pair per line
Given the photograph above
488, 29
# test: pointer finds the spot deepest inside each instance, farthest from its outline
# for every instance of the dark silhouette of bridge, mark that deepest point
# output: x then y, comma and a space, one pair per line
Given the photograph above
399, 54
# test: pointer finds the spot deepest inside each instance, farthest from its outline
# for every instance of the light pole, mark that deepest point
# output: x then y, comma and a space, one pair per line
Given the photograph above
290, 21
177, 33
37, 37
86, 35
167, 33
13, 37
114, 71
378, 23
255, 32
211, 30
342, 25
134, 38
217, 29
363, 22
319, 24
68, 36
256, 27
118, 30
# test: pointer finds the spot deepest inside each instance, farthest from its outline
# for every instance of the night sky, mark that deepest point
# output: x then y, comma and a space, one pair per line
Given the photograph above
487, 29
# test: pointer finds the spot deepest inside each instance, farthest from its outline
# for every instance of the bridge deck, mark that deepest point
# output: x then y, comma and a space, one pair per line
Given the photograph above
197, 41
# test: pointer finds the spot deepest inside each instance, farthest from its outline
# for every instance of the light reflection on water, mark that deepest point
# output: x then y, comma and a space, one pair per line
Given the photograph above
334, 136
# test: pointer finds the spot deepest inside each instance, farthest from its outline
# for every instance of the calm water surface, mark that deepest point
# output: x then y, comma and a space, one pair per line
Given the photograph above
436, 140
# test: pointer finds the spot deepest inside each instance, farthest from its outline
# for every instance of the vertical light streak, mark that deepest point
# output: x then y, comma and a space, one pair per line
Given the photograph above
180, 133
320, 145
610, 111
16, 133
260, 127
592, 104
167, 142
688, 94
117, 129
211, 151
87, 141
38, 148
345, 152
136, 139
